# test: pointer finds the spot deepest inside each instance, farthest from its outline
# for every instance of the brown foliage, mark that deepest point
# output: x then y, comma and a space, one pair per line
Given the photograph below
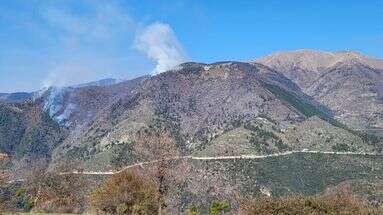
3, 182
54, 192
3, 156
155, 145
125, 193
334, 204
3, 177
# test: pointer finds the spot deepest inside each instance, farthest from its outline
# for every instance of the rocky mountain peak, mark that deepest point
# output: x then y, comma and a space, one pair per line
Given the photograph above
314, 60
346, 81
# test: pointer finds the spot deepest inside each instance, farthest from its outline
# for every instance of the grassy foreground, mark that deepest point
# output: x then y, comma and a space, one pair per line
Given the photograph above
7, 213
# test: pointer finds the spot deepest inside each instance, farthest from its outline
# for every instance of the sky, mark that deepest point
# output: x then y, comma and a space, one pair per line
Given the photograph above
65, 42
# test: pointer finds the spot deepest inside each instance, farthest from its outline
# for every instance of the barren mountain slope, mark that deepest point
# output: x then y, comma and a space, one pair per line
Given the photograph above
209, 111
225, 108
348, 83
305, 66
199, 104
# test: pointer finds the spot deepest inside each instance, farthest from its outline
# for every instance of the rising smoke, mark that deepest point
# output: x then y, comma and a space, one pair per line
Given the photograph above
159, 43
102, 42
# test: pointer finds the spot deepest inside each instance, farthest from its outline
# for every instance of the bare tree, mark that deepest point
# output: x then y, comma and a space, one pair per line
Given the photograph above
3, 169
3, 182
166, 164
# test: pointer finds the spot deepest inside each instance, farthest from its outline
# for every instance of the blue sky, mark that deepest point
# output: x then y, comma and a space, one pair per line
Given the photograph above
61, 42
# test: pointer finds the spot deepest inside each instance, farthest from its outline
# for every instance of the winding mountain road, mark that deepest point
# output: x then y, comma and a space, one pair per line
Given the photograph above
141, 164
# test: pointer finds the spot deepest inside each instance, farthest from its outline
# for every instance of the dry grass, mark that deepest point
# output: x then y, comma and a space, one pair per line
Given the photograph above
35, 214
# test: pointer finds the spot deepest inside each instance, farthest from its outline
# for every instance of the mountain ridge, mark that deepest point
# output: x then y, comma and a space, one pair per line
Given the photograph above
232, 127
314, 59
202, 105
346, 82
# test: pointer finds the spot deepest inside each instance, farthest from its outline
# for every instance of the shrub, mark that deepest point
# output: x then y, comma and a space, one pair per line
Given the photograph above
14, 198
192, 211
122, 154
334, 204
58, 193
342, 147
22, 200
125, 193
218, 207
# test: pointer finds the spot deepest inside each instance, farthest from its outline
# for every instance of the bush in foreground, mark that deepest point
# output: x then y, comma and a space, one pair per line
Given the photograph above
58, 193
334, 204
125, 193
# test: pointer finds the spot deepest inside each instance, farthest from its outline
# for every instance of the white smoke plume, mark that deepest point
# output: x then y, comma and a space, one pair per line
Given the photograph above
159, 43
79, 41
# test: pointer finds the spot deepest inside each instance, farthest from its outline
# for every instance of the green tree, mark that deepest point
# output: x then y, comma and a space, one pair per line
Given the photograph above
218, 207
192, 211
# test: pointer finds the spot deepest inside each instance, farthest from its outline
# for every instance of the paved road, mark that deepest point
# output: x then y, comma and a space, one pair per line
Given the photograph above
141, 164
